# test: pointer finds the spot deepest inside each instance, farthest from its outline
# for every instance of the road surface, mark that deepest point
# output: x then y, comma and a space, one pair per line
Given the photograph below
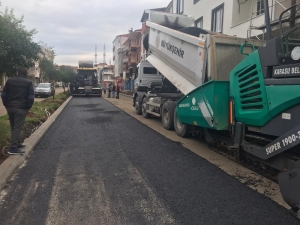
98, 165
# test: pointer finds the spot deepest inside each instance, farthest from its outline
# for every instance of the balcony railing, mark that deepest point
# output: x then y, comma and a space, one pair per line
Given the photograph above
125, 48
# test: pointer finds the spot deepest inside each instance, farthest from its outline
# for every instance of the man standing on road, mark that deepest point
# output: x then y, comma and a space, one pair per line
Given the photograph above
17, 97
118, 92
113, 91
71, 88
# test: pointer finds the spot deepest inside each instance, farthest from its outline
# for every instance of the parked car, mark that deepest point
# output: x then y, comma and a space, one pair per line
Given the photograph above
44, 90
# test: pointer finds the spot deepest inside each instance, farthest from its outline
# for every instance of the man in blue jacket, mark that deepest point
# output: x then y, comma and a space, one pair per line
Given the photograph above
17, 97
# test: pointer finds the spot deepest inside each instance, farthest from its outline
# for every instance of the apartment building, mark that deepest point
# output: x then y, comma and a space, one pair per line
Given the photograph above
117, 52
131, 56
107, 75
242, 18
99, 67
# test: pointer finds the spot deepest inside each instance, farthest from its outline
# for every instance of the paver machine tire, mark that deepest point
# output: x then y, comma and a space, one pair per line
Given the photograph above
167, 115
182, 130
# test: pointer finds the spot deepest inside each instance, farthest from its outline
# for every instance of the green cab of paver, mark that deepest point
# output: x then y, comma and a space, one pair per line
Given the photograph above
206, 106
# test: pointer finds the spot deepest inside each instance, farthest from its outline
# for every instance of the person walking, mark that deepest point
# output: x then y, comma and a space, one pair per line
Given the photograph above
109, 91
118, 92
63, 86
17, 97
113, 91
71, 88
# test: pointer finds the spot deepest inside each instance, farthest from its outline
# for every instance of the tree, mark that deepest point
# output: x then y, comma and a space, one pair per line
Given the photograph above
16, 45
66, 74
47, 70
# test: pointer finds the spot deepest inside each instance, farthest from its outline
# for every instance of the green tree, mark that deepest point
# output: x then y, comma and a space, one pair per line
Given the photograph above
66, 74
47, 70
17, 47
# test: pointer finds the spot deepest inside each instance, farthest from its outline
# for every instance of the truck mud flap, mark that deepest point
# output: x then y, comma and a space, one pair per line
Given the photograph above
289, 183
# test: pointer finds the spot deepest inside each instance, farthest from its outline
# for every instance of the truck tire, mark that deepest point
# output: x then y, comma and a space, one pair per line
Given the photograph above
182, 130
144, 108
138, 108
167, 115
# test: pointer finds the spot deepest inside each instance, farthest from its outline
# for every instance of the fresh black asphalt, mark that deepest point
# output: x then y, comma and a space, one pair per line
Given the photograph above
98, 165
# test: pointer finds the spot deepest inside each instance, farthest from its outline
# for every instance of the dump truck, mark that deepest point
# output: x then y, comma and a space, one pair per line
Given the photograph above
86, 82
240, 94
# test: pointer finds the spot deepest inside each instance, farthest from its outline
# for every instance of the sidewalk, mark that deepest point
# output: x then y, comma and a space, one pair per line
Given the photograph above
57, 91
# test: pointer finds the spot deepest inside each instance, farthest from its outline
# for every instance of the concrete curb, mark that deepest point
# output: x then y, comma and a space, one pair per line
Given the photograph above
12, 163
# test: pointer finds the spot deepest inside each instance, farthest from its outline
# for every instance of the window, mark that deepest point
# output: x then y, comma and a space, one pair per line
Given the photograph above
199, 22
180, 6
195, 1
217, 19
260, 7
149, 70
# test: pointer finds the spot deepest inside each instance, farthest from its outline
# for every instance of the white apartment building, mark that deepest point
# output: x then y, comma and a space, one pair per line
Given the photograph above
118, 44
107, 75
99, 67
233, 17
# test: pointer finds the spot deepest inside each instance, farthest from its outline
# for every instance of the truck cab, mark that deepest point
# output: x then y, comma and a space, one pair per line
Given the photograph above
147, 78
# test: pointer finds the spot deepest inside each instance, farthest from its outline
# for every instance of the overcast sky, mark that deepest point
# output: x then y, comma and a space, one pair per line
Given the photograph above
73, 27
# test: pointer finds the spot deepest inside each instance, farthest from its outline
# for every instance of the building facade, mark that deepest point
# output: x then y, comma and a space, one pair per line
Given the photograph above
99, 67
241, 18
107, 75
117, 45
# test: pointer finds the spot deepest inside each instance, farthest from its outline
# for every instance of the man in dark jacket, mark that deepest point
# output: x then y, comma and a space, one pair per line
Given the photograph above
118, 92
18, 97
71, 88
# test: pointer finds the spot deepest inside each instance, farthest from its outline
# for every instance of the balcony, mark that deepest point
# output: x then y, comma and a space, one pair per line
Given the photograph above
133, 64
125, 60
125, 48
133, 49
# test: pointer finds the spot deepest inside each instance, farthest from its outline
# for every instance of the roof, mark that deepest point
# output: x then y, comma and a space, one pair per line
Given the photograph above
146, 13
123, 35
133, 35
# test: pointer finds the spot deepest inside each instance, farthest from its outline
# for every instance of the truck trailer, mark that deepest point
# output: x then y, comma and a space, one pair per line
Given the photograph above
241, 94
86, 82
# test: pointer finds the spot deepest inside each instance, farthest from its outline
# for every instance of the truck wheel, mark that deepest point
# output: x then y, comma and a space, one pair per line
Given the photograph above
181, 129
144, 108
138, 108
167, 115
